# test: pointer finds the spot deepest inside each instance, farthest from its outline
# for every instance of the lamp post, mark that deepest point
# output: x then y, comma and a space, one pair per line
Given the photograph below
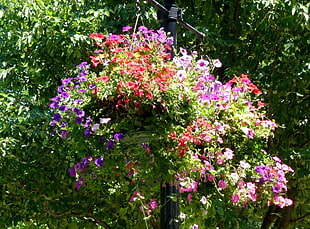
170, 14
169, 193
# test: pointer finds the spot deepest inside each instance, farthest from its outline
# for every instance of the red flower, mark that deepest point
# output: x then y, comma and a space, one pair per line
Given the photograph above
103, 78
234, 80
95, 91
260, 104
173, 135
96, 35
254, 89
132, 85
150, 95
162, 87
129, 54
126, 100
139, 93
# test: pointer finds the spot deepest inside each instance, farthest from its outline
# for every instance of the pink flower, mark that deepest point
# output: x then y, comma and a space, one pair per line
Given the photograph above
203, 200
228, 154
153, 204
182, 216
211, 177
220, 160
282, 202
126, 28
241, 183
135, 196
195, 226
235, 198
217, 63
276, 159
222, 184
189, 198
251, 187
234, 177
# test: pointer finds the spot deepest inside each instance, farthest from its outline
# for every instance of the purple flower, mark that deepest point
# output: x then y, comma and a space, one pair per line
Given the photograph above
79, 183
60, 88
87, 133
63, 108
78, 120
143, 29
98, 51
183, 51
215, 97
72, 171
66, 81
57, 117
110, 144
78, 101
77, 166
262, 170
65, 94
88, 121
53, 105
79, 112
85, 161
186, 60
92, 86
276, 189
119, 136
126, 28
83, 64
55, 99
99, 161
82, 74
64, 133
113, 37
82, 90
64, 124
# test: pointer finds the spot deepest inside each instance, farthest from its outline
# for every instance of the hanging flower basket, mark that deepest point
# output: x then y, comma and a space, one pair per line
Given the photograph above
149, 119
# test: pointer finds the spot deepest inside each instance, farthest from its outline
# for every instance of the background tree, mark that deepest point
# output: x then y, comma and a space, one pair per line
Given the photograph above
41, 42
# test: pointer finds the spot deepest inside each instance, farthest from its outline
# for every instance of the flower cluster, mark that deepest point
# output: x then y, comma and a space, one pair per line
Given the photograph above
268, 179
152, 119
80, 168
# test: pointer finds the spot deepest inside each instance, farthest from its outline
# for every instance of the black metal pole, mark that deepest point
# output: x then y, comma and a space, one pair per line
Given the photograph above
170, 14
170, 210
169, 21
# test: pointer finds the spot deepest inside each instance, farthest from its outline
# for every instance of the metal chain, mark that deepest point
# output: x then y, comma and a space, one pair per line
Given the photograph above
138, 8
138, 14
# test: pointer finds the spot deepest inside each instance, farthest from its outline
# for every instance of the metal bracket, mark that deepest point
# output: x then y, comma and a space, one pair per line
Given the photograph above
176, 14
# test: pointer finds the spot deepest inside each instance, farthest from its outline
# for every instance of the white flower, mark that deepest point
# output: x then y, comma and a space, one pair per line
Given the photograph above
245, 165
217, 63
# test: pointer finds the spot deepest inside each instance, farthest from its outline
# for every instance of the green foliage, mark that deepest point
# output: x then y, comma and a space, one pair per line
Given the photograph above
38, 40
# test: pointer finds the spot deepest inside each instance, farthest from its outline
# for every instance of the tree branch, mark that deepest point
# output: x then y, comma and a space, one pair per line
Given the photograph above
87, 217
67, 212
300, 218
